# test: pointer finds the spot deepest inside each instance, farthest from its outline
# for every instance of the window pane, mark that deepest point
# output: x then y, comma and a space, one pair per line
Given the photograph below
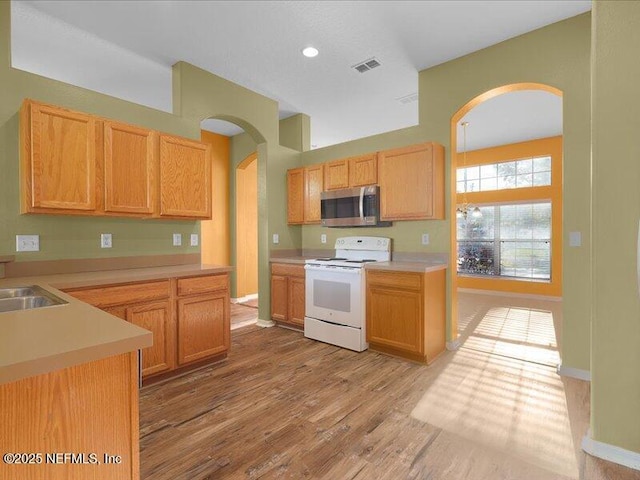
473, 173
488, 171
506, 169
460, 187
460, 174
506, 182
525, 180
473, 185
542, 164
525, 166
541, 179
475, 257
488, 184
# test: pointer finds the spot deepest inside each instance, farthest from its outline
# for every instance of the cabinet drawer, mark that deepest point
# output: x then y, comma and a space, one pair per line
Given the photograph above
400, 280
287, 269
211, 283
123, 294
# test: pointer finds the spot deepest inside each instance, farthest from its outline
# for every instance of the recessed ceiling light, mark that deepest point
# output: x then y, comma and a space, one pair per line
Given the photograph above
310, 52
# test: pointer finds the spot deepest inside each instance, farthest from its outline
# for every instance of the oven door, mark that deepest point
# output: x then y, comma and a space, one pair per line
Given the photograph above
335, 294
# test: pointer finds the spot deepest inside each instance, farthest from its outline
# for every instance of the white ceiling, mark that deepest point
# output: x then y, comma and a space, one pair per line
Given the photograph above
132, 45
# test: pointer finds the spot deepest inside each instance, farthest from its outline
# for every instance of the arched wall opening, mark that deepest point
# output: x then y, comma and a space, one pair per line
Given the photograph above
456, 162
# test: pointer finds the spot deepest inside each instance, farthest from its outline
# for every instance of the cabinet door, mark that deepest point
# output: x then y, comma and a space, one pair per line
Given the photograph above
295, 196
156, 317
296, 300
59, 159
412, 183
279, 297
336, 174
185, 178
313, 185
395, 318
129, 169
363, 170
203, 326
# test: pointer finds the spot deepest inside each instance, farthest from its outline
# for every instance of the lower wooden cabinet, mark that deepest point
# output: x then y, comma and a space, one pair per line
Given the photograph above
287, 294
406, 313
155, 317
189, 317
91, 408
203, 326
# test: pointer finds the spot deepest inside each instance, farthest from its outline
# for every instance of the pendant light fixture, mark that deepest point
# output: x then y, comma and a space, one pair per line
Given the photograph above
465, 207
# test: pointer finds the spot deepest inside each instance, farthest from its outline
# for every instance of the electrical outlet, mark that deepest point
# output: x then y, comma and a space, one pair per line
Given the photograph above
194, 240
177, 239
575, 239
105, 240
425, 239
323, 238
27, 243
276, 238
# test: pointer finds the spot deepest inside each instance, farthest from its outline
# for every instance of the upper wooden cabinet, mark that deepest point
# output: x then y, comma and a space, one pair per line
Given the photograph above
363, 170
313, 186
411, 182
129, 168
295, 196
185, 178
80, 164
58, 160
336, 174
351, 172
304, 186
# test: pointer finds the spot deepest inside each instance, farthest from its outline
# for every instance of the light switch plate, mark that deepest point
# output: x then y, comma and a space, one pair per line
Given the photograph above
323, 238
27, 243
575, 239
276, 238
194, 240
177, 239
425, 239
105, 240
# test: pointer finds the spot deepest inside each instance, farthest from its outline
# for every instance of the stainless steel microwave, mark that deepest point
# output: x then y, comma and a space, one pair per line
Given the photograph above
351, 207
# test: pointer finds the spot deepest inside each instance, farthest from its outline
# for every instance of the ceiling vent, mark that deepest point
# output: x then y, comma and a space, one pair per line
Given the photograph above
366, 65
412, 97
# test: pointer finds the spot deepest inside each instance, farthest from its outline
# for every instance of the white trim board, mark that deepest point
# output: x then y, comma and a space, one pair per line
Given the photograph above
454, 345
497, 293
574, 373
610, 452
246, 298
265, 323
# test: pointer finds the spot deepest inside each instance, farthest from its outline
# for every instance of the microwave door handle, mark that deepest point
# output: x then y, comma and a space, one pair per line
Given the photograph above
361, 204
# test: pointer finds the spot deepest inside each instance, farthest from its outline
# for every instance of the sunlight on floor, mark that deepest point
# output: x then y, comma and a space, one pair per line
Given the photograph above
500, 389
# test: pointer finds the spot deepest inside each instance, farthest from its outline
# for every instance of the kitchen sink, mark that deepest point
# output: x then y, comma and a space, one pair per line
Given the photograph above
25, 298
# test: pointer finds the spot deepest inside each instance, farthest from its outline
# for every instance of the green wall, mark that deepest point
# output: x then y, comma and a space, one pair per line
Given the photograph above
557, 55
615, 391
71, 236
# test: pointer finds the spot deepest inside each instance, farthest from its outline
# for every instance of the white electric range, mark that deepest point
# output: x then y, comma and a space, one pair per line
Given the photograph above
335, 291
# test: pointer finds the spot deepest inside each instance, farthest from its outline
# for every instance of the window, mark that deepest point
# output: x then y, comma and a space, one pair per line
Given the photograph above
528, 172
507, 241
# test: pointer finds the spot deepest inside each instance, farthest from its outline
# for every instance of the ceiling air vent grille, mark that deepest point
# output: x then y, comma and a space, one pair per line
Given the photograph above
412, 97
366, 65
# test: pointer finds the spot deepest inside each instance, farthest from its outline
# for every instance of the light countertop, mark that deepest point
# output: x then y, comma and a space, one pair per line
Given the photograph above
41, 340
401, 266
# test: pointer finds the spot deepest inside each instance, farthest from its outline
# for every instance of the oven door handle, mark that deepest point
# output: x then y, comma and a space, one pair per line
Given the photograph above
361, 203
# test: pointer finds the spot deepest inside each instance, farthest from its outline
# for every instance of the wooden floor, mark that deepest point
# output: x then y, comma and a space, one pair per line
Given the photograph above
283, 406
243, 315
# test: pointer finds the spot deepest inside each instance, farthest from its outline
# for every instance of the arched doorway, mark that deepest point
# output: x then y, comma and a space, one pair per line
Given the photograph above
456, 159
247, 229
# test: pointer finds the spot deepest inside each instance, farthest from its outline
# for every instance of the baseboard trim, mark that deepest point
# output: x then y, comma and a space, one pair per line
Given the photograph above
453, 345
497, 293
265, 323
246, 298
574, 373
610, 452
